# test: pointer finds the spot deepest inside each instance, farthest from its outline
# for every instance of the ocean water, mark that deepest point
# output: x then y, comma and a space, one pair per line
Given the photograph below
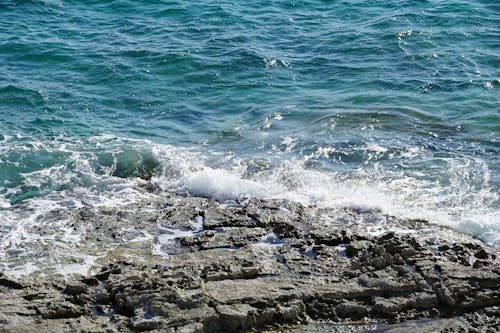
387, 105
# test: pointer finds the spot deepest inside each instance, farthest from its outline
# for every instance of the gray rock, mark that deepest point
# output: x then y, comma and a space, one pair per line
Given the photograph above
260, 265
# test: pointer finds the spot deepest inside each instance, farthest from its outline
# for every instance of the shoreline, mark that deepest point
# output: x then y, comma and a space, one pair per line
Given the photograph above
261, 264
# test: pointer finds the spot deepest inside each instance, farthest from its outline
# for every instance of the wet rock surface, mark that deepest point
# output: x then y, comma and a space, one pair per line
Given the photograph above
206, 266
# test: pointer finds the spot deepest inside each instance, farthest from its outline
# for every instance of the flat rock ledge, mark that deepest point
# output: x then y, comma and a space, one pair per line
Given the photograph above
262, 265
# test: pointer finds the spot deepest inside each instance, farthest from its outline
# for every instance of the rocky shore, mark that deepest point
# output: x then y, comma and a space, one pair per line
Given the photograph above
260, 265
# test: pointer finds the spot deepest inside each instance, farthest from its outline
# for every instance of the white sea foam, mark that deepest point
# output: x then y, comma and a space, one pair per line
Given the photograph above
34, 238
216, 183
465, 202
167, 235
457, 204
4, 203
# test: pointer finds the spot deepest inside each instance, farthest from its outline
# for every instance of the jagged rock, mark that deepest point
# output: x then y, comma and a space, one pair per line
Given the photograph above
352, 310
261, 264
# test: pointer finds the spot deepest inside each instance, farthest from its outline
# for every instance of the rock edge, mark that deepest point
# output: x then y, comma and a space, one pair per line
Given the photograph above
268, 264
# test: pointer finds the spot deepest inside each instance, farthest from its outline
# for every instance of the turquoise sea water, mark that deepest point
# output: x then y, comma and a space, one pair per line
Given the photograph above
389, 105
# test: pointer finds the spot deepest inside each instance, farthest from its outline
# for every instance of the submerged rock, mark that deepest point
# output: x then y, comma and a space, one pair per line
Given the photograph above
237, 267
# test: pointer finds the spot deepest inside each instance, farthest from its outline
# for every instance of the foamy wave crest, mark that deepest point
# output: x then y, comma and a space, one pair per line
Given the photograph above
459, 204
217, 183
109, 171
